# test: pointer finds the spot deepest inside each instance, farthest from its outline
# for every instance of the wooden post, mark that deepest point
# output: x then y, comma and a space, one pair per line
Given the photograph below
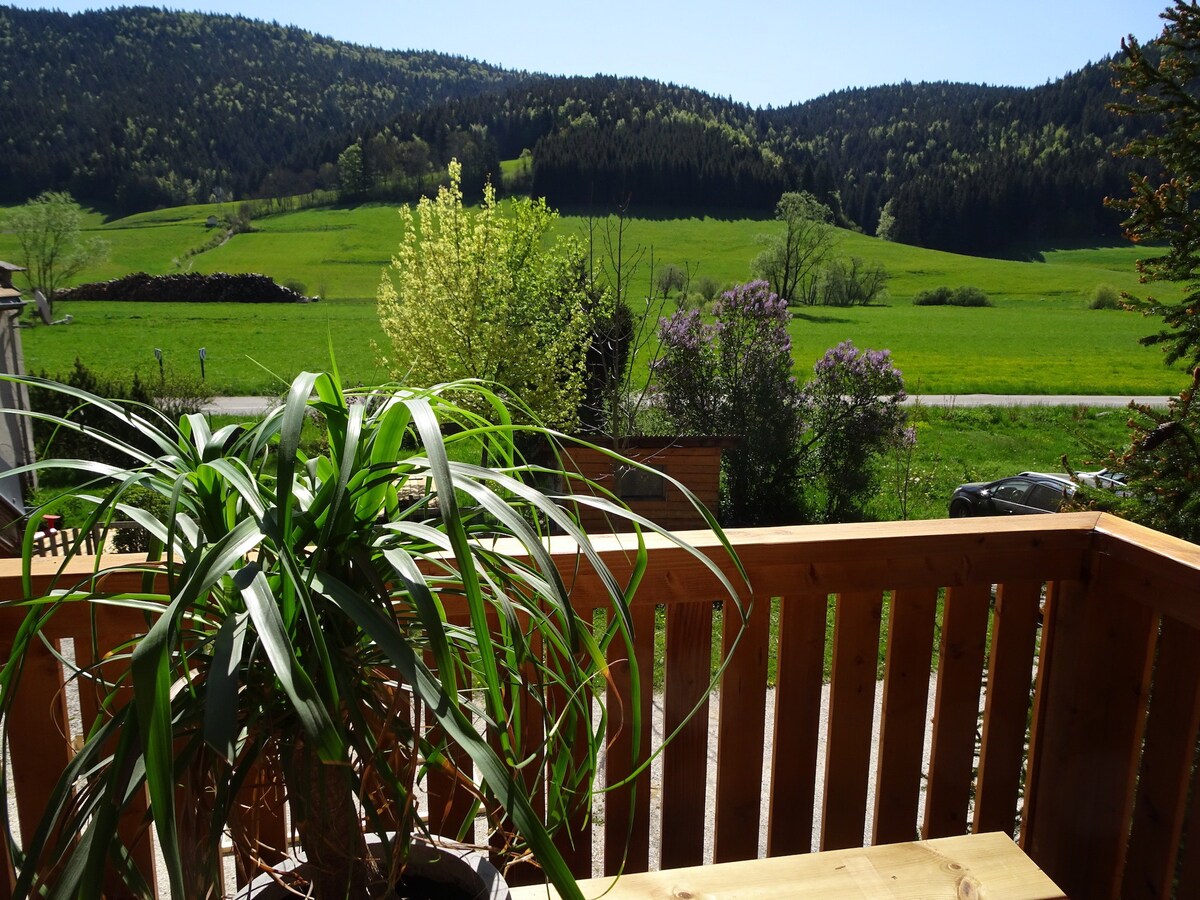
1093, 680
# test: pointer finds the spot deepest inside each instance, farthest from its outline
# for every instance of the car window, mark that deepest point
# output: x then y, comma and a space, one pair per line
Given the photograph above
1011, 491
1044, 496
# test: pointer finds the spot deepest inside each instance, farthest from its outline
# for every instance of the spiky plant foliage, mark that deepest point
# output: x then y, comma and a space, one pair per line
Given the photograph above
294, 605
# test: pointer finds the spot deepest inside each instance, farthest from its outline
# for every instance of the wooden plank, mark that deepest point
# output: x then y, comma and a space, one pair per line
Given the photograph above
956, 710
958, 868
1088, 727
1170, 744
1188, 884
799, 672
684, 807
905, 711
740, 740
627, 809
851, 719
1006, 709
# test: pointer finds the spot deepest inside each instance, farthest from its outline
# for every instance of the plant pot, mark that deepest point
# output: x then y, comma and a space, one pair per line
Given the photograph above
450, 871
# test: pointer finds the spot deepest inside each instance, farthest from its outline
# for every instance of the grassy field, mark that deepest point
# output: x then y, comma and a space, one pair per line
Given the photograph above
1039, 338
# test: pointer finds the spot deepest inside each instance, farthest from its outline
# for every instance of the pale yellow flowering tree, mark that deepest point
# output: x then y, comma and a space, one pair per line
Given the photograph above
485, 294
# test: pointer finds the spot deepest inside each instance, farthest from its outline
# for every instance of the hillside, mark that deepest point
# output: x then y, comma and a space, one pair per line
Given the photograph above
1039, 338
137, 108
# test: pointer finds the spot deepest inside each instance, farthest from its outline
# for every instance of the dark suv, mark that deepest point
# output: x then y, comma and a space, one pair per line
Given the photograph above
1018, 495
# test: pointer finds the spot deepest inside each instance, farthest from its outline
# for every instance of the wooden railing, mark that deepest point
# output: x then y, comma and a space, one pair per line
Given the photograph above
1065, 686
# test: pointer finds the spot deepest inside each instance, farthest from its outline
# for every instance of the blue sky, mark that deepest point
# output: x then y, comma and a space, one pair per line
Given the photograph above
756, 51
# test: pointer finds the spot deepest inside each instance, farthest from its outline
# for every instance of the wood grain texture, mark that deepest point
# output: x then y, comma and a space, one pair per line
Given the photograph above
1007, 705
627, 809
685, 761
905, 710
741, 734
798, 683
959, 868
1166, 767
1088, 727
956, 710
851, 715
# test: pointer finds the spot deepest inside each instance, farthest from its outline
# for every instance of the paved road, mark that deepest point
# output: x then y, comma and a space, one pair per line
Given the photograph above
249, 406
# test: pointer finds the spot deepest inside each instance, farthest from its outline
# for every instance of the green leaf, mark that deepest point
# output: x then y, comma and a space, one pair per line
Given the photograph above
313, 718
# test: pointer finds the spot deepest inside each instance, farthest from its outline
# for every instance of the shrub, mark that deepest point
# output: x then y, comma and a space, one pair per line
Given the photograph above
969, 296
733, 377
178, 395
939, 296
49, 440
945, 296
707, 287
853, 282
852, 414
1105, 296
173, 396
135, 539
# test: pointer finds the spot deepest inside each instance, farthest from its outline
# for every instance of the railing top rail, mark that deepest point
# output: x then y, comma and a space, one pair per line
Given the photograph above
941, 552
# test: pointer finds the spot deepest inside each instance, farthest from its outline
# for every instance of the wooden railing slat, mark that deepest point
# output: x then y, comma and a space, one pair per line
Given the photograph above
685, 762
799, 671
1098, 645
1188, 884
627, 809
851, 719
956, 710
1167, 755
741, 737
1006, 708
905, 705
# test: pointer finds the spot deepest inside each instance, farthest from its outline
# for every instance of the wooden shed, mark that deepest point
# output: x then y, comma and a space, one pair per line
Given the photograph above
693, 461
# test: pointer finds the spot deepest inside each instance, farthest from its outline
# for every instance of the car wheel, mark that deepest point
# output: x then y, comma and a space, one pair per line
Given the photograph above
960, 509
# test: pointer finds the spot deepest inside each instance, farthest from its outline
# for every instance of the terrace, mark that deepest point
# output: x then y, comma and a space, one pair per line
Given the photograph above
1066, 700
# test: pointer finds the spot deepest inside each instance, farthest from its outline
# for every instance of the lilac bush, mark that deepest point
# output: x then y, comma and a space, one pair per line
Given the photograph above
803, 452
852, 413
734, 377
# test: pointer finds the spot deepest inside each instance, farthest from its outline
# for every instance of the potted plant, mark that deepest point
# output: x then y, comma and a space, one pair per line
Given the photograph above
294, 600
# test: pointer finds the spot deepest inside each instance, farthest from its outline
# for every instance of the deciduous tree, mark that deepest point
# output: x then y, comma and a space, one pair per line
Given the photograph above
483, 294
49, 229
792, 262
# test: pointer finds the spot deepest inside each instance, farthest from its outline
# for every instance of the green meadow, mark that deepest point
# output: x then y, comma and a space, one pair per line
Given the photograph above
1040, 337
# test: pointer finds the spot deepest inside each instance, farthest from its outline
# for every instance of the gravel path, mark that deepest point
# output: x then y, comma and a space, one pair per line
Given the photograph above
250, 406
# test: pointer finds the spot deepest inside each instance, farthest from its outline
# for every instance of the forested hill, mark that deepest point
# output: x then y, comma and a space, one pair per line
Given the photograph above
138, 107
967, 168
135, 108
960, 167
